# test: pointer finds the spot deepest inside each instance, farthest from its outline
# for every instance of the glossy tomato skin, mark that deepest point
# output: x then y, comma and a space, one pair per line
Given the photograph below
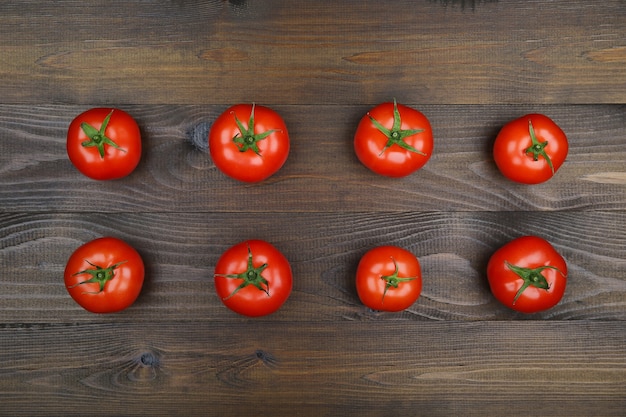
381, 262
252, 301
248, 165
527, 252
394, 161
514, 139
117, 162
120, 291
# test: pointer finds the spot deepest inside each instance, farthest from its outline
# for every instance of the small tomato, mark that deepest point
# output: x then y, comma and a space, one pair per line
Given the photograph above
104, 275
253, 278
388, 278
530, 149
104, 143
527, 275
249, 143
393, 140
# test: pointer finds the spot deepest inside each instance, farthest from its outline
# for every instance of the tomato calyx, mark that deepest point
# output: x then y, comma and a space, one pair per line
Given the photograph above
531, 276
251, 276
98, 138
393, 280
396, 135
247, 139
537, 148
98, 274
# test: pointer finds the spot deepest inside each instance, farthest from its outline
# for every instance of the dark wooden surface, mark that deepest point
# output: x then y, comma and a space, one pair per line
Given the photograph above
470, 66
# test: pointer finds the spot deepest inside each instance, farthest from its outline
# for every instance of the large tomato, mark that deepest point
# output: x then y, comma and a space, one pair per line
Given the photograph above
388, 278
530, 149
249, 143
527, 275
104, 275
104, 143
393, 140
253, 278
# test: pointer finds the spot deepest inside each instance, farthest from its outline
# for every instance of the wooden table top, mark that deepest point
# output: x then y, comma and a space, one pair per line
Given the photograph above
469, 66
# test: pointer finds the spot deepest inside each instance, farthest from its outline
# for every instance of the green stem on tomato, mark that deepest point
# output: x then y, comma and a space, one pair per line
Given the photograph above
396, 135
537, 148
393, 280
251, 276
98, 138
531, 277
98, 274
247, 139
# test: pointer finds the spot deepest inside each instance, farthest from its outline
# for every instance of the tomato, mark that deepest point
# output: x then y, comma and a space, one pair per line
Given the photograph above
388, 278
249, 151
104, 143
530, 149
104, 275
393, 140
527, 275
253, 278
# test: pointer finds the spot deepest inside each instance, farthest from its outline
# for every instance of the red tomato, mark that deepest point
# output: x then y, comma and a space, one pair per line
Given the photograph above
527, 275
249, 143
388, 278
530, 149
393, 140
104, 275
253, 278
104, 143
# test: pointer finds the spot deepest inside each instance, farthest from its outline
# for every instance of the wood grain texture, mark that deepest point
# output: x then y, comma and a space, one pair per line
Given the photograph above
353, 51
180, 251
322, 173
348, 369
175, 65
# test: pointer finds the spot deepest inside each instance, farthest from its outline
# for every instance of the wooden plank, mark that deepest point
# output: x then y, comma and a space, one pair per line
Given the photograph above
180, 251
315, 369
322, 173
302, 52
470, 66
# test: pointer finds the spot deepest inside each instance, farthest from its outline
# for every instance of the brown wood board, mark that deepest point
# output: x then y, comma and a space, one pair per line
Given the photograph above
469, 66
322, 173
313, 52
315, 369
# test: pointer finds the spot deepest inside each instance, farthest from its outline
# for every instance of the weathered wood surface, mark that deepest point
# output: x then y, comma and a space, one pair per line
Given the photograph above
181, 250
470, 66
322, 172
312, 52
465, 369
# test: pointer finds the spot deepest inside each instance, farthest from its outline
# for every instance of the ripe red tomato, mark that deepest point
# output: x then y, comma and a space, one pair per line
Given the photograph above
104, 275
253, 278
249, 143
530, 149
104, 143
527, 275
388, 278
393, 140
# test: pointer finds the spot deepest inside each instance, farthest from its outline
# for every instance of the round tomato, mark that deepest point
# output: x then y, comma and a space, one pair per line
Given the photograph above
527, 275
388, 278
104, 275
104, 143
249, 143
393, 140
530, 149
253, 278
